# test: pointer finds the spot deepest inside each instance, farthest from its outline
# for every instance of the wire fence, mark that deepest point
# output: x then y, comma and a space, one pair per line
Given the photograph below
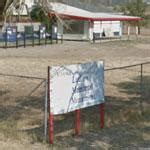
132, 81
22, 107
22, 104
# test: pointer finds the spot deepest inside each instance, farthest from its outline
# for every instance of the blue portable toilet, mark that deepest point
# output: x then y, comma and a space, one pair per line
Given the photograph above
54, 30
42, 29
11, 34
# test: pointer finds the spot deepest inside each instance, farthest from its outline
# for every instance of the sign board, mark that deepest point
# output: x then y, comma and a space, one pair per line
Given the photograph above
11, 33
72, 87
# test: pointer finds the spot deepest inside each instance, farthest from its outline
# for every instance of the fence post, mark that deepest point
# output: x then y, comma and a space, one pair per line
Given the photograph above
51, 116
61, 38
56, 38
24, 38
51, 128
77, 122
33, 38
39, 36
45, 39
51, 39
102, 114
6, 38
16, 37
93, 37
141, 87
45, 113
141, 80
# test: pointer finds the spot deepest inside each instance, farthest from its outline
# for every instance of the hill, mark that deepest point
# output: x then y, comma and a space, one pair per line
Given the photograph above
90, 5
93, 5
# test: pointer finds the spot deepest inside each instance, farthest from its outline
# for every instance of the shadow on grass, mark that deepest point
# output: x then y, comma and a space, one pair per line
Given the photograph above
122, 121
117, 134
23, 115
122, 130
2, 93
21, 106
135, 87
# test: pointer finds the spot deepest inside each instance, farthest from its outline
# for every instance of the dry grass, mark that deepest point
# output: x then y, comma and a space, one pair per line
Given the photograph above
21, 114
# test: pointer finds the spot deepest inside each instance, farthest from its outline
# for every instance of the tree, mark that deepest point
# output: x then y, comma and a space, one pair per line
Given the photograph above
135, 8
38, 14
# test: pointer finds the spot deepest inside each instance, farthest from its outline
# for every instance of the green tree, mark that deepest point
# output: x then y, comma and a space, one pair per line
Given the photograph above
135, 8
38, 13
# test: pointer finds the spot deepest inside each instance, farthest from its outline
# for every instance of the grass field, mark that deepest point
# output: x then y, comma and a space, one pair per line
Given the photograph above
22, 112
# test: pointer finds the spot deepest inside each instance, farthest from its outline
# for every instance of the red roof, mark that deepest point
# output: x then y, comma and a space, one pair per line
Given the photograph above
70, 12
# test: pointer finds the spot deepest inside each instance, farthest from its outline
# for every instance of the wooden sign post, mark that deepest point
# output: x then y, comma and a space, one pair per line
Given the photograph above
77, 122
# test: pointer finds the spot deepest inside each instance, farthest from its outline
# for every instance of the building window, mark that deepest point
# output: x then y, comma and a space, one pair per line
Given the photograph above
74, 27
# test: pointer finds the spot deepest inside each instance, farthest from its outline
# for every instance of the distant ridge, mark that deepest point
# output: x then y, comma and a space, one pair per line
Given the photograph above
90, 5
95, 5
94, 2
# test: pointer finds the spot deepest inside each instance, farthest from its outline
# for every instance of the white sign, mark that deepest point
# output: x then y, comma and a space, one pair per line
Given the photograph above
76, 86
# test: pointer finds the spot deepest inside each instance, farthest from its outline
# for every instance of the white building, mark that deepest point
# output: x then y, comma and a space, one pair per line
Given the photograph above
79, 24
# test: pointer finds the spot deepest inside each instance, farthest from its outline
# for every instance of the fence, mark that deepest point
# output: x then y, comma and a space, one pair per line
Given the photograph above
22, 107
22, 104
135, 80
102, 36
12, 38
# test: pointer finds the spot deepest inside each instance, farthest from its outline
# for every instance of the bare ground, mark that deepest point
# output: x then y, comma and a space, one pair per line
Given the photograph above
125, 126
34, 61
